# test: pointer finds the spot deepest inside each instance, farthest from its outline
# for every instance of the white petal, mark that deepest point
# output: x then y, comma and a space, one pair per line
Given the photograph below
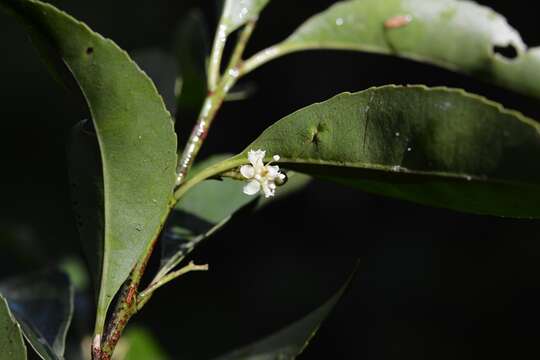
252, 188
247, 171
273, 171
256, 157
268, 192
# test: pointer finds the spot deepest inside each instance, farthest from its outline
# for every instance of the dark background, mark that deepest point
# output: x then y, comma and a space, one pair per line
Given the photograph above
432, 284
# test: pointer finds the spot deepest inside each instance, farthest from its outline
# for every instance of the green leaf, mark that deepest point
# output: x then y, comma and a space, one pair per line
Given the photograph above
42, 303
209, 206
291, 341
457, 35
134, 130
239, 12
140, 344
11, 340
439, 147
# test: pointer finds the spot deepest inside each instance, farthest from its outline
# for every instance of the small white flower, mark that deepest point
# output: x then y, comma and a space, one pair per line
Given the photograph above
261, 176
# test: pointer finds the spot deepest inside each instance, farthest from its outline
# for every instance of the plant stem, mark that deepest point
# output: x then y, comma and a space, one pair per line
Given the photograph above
236, 58
198, 134
266, 55
145, 295
220, 39
209, 172
212, 104
127, 306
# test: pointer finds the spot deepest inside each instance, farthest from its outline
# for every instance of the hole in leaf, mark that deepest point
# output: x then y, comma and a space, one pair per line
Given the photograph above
89, 50
509, 51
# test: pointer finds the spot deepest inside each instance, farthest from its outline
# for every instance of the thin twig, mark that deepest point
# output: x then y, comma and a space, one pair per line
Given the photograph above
214, 65
266, 55
145, 295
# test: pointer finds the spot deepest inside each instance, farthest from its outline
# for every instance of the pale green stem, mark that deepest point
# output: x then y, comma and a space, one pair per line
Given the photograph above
145, 295
267, 55
236, 58
214, 65
208, 173
199, 132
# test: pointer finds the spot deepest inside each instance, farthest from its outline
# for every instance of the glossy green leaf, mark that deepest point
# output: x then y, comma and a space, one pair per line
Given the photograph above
439, 147
458, 35
11, 341
139, 344
238, 12
291, 341
42, 303
208, 207
133, 128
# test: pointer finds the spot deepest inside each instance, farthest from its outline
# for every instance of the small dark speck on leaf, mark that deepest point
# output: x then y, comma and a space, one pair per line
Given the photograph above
89, 50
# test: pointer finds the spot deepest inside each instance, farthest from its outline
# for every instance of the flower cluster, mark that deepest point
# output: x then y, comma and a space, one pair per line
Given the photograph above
261, 176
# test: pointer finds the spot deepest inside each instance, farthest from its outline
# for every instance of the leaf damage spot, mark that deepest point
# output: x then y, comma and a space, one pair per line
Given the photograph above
315, 138
89, 50
315, 134
399, 21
